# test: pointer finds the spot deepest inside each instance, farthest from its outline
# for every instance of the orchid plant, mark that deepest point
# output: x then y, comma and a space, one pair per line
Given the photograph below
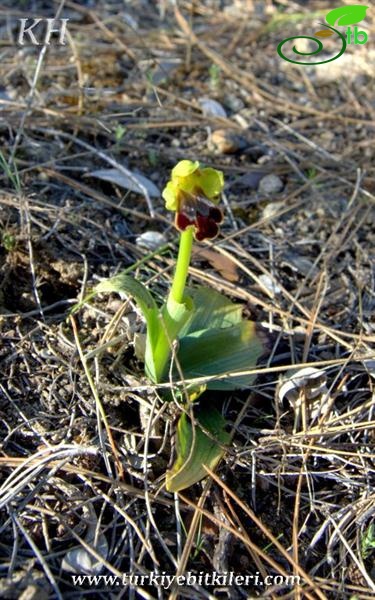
197, 340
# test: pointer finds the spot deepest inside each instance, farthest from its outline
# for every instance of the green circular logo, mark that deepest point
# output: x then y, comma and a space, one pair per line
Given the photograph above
314, 52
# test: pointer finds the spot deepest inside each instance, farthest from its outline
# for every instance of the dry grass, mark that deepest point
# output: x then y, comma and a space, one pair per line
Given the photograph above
85, 438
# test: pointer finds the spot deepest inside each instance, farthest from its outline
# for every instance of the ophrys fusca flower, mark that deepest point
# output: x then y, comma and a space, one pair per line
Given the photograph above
193, 194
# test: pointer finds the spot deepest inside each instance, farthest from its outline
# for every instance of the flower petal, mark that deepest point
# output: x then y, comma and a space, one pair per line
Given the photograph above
206, 228
182, 221
216, 214
184, 168
211, 182
170, 195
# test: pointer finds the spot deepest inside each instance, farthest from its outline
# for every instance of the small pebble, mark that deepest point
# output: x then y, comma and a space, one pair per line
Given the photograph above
270, 284
272, 209
234, 103
270, 184
212, 108
223, 141
250, 180
151, 240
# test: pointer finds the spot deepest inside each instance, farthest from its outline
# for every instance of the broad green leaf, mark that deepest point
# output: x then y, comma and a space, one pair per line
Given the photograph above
346, 15
132, 287
154, 334
129, 285
195, 448
203, 308
211, 309
218, 351
162, 335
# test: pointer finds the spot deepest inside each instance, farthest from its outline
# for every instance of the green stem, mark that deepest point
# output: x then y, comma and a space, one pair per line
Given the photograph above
174, 316
174, 312
182, 266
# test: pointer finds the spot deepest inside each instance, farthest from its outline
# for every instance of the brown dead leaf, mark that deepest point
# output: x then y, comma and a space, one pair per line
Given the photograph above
220, 263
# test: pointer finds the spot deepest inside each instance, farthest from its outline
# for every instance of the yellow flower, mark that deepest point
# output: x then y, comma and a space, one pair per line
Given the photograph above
192, 194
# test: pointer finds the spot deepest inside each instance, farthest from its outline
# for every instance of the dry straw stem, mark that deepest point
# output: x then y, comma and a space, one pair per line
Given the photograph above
98, 403
36, 463
268, 534
253, 548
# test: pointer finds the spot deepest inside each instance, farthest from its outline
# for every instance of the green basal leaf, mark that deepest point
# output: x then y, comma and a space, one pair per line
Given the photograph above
128, 285
154, 334
195, 448
211, 352
213, 340
211, 309
123, 283
206, 331
161, 334
346, 15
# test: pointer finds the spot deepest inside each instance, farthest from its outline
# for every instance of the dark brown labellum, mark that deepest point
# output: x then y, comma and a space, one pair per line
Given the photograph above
198, 211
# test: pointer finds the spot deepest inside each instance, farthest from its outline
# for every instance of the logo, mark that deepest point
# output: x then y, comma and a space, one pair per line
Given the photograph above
338, 17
